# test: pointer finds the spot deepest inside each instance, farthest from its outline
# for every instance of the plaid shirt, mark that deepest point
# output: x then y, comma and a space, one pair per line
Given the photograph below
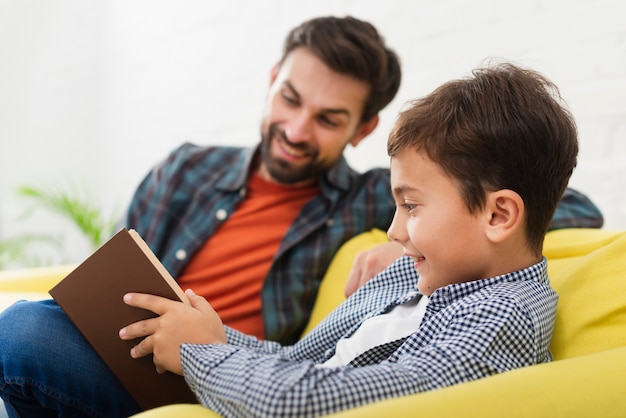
470, 330
575, 210
182, 202
178, 207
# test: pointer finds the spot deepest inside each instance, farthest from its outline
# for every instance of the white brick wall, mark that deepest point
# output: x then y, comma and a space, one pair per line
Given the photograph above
94, 93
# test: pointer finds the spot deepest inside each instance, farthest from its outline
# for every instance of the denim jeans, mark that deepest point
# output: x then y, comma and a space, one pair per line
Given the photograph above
47, 368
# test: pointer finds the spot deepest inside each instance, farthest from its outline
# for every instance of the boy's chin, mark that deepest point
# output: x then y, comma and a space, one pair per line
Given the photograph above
422, 286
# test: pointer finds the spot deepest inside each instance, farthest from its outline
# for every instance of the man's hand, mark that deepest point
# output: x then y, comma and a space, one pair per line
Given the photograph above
176, 324
368, 264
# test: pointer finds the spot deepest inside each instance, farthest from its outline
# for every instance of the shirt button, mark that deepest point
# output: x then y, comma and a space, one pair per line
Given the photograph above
221, 214
329, 222
242, 192
181, 254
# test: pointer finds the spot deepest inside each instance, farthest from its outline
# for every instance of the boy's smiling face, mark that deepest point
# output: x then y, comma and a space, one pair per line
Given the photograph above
434, 226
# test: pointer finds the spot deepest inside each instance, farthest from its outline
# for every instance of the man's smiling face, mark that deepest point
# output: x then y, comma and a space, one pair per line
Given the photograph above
312, 113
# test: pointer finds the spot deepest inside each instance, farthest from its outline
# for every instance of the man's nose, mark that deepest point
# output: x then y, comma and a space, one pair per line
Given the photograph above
300, 127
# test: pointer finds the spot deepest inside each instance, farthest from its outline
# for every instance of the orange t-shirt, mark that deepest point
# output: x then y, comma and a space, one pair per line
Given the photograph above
230, 268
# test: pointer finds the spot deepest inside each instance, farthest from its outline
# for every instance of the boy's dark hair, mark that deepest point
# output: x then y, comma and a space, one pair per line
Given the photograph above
352, 47
503, 128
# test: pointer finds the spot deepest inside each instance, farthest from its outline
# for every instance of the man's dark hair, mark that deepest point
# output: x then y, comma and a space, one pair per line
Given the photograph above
352, 47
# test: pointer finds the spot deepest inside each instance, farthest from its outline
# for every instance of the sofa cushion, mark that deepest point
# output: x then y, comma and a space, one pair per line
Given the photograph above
587, 267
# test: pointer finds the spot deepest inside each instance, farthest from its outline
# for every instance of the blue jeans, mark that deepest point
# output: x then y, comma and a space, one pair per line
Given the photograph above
47, 368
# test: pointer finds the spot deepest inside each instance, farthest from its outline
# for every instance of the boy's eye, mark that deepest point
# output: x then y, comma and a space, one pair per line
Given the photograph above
409, 207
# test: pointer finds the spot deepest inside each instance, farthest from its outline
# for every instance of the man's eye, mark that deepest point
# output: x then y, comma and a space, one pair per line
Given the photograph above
290, 100
328, 121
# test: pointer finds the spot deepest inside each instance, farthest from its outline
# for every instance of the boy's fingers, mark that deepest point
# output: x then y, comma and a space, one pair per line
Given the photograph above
139, 329
157, 304
142, 349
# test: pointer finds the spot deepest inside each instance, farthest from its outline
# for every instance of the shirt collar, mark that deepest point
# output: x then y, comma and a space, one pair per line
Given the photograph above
236, 178
339, 176
447, 295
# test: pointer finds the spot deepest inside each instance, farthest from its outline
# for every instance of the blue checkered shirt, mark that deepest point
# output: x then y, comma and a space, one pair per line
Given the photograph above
176, 207
469, 331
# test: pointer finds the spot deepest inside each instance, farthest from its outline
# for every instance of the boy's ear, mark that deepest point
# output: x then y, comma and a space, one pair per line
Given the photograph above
505, 209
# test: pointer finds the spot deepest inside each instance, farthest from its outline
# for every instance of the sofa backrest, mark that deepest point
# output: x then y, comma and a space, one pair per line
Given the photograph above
587, 268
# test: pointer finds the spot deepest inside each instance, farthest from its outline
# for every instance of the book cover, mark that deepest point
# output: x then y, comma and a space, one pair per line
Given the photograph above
91, 296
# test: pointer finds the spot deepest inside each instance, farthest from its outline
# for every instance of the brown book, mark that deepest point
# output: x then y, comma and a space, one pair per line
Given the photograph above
91, 296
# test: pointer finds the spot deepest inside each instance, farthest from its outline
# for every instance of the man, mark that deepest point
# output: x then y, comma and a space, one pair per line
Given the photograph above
276, 214
252, 230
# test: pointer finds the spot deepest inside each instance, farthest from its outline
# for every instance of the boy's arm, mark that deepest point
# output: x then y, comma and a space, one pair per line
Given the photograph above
575, 210
476, 343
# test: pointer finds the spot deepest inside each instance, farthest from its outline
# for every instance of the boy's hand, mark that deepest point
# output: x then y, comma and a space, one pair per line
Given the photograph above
176, 324
369, 263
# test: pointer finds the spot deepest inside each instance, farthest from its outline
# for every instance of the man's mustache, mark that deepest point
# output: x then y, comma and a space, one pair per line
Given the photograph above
276, 132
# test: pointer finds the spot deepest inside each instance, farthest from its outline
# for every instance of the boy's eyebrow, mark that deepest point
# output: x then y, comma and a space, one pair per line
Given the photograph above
293, 91
403, 188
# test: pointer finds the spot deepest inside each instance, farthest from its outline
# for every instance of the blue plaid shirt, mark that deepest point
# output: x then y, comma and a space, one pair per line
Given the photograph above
181, 203
470, 330
178, 205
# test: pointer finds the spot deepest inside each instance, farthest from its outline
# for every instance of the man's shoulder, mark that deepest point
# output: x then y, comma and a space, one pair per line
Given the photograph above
192, 151
191, 163
190, 157
343, 176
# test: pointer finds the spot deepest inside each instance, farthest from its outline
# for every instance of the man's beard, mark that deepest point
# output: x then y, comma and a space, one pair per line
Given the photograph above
283, 171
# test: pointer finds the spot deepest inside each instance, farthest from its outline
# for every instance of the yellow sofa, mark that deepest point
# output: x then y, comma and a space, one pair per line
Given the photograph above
587, 267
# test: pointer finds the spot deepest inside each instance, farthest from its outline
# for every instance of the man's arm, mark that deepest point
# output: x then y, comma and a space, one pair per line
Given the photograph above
575, 210
369, 263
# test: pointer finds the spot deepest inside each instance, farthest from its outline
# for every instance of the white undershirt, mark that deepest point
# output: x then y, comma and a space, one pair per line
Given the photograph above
401, 321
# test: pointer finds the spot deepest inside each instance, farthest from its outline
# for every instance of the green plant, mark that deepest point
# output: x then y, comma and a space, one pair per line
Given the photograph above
16, 250
86, 215
82, 212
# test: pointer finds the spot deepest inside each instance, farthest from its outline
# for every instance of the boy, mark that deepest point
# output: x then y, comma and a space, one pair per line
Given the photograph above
477, 169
